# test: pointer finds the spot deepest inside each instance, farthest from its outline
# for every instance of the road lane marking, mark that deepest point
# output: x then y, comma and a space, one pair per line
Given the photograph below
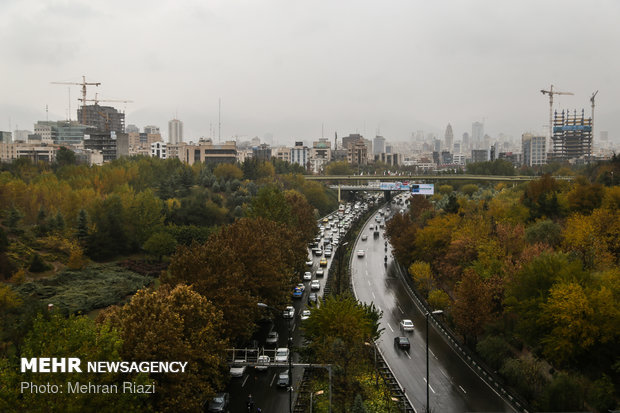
244, 380
368, 283
407, 353
373, 295
390, 327
433, 353
401, 310
429, 386
293, 329
272, 379
462, 389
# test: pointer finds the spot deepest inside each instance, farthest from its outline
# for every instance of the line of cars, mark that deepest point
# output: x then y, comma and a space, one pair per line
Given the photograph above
331, 230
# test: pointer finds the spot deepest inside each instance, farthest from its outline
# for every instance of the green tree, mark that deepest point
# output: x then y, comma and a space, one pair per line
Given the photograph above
270, 203
494, 350
228, 171
65, 156
336, 333
37, 264
173, 324
469, 189
358, 405
584, 197
541, 197
530, 288
249, 261
109, 237
545, 231
445, 189
338, 168
160, 244
82, 226
77, 336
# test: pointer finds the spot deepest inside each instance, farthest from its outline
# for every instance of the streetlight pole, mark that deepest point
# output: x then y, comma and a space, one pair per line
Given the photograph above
428, 408
290, 357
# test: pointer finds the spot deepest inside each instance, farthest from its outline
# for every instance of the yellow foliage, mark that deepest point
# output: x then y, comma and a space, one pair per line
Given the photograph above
19, 277
8, 298
76, 261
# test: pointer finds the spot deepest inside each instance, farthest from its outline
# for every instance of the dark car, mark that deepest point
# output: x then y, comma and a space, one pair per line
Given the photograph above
402, 342
219, 403
313, 298
283, 379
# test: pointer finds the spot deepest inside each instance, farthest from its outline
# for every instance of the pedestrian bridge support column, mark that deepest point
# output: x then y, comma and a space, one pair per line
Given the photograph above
387, 195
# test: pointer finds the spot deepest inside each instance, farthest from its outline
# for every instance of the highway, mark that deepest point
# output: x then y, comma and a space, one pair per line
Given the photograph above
453, 385
262, 385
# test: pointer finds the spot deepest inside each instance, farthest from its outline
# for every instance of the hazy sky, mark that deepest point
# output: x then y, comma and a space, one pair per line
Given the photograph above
286, 67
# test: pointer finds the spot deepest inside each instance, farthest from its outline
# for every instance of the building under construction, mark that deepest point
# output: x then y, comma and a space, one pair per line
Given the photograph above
572, 136
102, 118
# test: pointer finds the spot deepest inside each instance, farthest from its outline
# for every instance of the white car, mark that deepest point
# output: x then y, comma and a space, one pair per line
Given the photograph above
406, 325
315, 285
309, 263
305, 314
360, 253
307, 276
281, 355
262, 363
320, 272
364, 237
272, 338
237, 370
289, 312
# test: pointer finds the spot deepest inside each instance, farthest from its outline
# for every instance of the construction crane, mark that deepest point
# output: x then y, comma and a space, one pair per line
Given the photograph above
97, 100
551, 92
592, 100
84, 83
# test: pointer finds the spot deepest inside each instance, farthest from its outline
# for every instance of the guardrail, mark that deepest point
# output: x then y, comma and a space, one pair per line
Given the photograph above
470, 358
396, 389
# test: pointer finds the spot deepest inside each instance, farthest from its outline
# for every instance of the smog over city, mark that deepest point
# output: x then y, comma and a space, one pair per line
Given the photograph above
286, 71
309, 206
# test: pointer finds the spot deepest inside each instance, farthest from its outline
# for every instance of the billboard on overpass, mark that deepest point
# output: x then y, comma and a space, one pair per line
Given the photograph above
394, 186
423, 189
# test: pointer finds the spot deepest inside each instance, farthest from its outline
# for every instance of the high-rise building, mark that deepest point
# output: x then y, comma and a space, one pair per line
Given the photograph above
479, 155
300, 154
357, 153
348, 141
465, 145
477, 134
448, 138
6, 137
572, 136
132, 129
151, 130
175, 131
534, 149
111, 144
102, 118
378, 145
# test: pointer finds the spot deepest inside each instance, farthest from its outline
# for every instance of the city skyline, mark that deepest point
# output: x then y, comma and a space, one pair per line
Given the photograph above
294, 70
